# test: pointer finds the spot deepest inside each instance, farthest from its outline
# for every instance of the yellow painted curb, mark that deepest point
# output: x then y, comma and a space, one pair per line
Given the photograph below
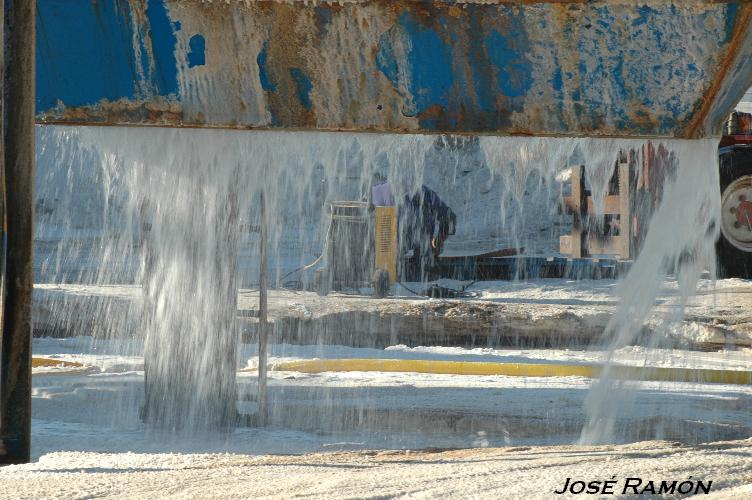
515, 370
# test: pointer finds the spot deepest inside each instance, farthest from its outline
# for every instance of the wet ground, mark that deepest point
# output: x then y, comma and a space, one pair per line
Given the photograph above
348, 434
542, 313
99, 393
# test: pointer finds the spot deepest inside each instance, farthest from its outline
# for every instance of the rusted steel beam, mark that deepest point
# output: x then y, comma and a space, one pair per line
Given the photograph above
15, 372
604, 68
730, 82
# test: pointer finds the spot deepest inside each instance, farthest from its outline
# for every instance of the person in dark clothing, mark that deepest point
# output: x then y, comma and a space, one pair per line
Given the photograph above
425, 222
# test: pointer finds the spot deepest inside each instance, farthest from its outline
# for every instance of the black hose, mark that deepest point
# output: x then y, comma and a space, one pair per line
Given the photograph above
409, 290
318, 259
458, 294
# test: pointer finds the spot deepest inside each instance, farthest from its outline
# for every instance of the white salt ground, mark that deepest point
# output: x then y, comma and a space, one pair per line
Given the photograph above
528, 472
88, 441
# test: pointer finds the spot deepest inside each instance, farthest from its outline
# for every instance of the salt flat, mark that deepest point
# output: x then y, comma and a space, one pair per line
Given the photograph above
553, 312
512, 472
345, 435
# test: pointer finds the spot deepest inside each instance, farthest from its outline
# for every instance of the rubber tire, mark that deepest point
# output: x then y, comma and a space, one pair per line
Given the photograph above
734, 163
380, 283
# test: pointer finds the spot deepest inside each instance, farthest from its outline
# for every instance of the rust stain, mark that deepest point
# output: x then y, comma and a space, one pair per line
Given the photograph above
642, 116
455, 11
294, 34
289, 33
513, 131
159, 112
693, 129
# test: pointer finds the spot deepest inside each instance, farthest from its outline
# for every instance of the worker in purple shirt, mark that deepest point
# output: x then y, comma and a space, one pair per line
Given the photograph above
381, 192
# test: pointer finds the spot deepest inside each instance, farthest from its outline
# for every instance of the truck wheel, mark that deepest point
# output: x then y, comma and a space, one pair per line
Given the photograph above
734, 247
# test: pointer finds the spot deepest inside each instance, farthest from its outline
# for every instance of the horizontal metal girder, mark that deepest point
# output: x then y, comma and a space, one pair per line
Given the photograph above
596, 68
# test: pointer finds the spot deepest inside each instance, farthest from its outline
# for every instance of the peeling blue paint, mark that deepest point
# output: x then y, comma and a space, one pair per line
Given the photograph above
262, 60
732, 10
303, 87
84, 53
163, 43
197, 54
557, 82
323, 18
386, 59
482, 84
514, 72
430, 60
524, 68
645, 13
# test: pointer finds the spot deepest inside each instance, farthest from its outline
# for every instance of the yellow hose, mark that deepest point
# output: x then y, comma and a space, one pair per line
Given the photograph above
47, 362
735, 377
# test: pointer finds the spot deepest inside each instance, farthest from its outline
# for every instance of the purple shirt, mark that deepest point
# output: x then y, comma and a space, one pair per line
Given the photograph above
381, 194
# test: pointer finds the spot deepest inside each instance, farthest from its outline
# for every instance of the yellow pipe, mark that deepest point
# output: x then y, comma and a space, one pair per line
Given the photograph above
733, 377
47, 362
516, 370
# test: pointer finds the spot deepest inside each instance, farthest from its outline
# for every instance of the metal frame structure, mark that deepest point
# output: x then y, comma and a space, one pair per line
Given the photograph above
549, 67
580, 243
658, 68
18, 149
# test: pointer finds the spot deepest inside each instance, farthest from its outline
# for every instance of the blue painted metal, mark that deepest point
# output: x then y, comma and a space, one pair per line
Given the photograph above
618, 68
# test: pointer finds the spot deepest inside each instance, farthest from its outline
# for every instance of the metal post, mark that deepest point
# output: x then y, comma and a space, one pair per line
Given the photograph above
3, 203
263, 325
15, 376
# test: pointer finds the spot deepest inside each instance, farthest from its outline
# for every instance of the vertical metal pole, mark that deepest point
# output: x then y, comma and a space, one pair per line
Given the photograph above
3, 202
15, 375
263, 325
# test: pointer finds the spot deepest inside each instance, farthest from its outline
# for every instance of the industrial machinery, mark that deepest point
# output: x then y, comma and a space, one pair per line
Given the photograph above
734, 246
385, 249
361, 248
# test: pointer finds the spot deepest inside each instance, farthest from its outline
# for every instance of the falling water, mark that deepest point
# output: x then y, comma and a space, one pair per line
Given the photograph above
680, 241
175, 214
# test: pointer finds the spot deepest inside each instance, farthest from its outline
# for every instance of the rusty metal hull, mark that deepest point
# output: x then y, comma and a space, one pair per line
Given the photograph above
613, 68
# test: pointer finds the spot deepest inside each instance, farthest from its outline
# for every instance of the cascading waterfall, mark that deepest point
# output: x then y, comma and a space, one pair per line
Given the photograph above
174, 211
